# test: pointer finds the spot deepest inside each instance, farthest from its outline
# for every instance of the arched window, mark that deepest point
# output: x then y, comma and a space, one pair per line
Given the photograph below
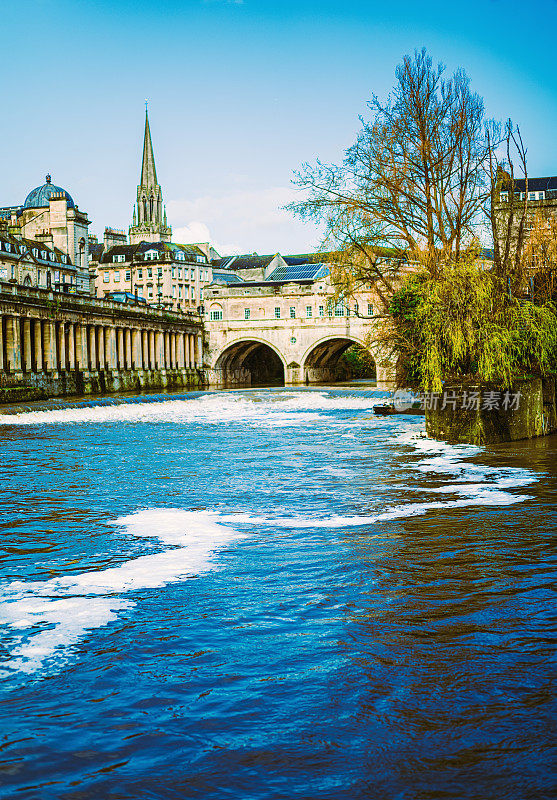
215, 312
48, 280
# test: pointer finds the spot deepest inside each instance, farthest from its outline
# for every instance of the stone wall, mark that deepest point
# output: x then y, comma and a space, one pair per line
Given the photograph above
535, 414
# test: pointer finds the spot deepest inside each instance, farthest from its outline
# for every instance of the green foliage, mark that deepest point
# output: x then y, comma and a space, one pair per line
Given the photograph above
464, 324
359, 362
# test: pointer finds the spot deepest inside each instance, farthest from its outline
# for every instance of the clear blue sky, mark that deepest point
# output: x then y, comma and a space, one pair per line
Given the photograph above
240, 94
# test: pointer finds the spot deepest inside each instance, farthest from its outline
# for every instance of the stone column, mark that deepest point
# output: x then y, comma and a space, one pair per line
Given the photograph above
121, 354
50, 345
13, 344
101, 350
136, 350
71, 346
145, 348
112, 356
81, 354
180, 351
192, 350
62, 365
166, 346
199, 352
128, 348
173, 350
1, 345
38, 334
152, 349
159, 350
26, 355
92, 348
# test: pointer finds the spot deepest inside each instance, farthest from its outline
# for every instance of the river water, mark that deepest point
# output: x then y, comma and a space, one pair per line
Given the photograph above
272, 594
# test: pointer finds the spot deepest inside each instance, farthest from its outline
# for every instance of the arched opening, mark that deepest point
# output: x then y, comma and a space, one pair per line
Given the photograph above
251, 363
338, 359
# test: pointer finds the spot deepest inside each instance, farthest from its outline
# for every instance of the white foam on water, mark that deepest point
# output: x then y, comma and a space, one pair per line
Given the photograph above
48, 618
71, 605
213, 408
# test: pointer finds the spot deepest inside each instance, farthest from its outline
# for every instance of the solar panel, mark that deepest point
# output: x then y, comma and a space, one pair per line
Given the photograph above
299, 272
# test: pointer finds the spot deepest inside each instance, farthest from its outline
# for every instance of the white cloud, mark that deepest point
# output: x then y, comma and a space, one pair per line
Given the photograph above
243, 222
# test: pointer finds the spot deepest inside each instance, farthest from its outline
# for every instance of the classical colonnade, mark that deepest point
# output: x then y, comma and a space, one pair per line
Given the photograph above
49, 346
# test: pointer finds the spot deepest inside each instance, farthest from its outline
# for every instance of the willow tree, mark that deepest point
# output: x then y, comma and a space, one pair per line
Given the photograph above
413, 186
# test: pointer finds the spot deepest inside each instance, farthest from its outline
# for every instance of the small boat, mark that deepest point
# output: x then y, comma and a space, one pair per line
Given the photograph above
384, 409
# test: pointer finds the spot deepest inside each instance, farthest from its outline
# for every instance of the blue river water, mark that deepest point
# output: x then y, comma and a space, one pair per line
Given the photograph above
272, 594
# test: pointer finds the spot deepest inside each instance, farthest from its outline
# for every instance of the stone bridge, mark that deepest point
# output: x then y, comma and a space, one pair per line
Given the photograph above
296, 350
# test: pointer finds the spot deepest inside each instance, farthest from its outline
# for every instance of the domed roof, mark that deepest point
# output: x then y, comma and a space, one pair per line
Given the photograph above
39, 197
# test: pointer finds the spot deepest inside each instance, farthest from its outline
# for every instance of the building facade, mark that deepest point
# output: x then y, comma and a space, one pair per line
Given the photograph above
49, 225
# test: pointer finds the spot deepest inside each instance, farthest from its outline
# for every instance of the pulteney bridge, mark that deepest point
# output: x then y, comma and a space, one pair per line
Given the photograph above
260, 332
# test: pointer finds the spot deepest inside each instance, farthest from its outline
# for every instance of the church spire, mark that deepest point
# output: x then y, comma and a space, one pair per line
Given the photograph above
148, 224
148, 169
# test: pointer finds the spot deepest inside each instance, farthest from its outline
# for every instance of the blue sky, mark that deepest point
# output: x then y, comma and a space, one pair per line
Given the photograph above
240, 94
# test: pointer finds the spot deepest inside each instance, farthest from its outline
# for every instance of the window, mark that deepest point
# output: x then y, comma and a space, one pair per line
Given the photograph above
531, 195
7, 247
118, 258
173, 272
150, 255
140, 274
215, 313
192, 293
179, 291
150, 273
116, 277
247, 313
504, 197
309, 311
128, 276
64, 259
179, 272
369, 310
159, 272
321, 311
339, 310
200, 259
292, 312
106, 277
180, 256
150, 292
277, 313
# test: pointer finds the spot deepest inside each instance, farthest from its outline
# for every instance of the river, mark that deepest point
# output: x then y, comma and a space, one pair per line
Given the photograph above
269, 594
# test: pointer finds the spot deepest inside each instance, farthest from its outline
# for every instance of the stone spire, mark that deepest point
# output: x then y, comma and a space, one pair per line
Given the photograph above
148, 169
149, 223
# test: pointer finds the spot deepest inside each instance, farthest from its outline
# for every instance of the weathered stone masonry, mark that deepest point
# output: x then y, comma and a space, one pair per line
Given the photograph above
56, 344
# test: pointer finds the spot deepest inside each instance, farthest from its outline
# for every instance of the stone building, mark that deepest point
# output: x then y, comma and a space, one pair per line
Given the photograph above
162, 273
149, 214
288, 326
29, 262
52, 223
147, 263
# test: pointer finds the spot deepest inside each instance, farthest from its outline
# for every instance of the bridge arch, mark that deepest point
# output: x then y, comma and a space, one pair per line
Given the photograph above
250, 360
319, 362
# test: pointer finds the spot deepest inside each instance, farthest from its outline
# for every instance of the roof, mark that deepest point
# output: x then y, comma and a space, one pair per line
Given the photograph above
22, 247
534, 184
40, 196
299, 272
222, 277
243, 262
130, 250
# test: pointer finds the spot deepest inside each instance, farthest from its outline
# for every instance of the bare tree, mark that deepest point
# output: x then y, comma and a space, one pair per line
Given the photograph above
414, 184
